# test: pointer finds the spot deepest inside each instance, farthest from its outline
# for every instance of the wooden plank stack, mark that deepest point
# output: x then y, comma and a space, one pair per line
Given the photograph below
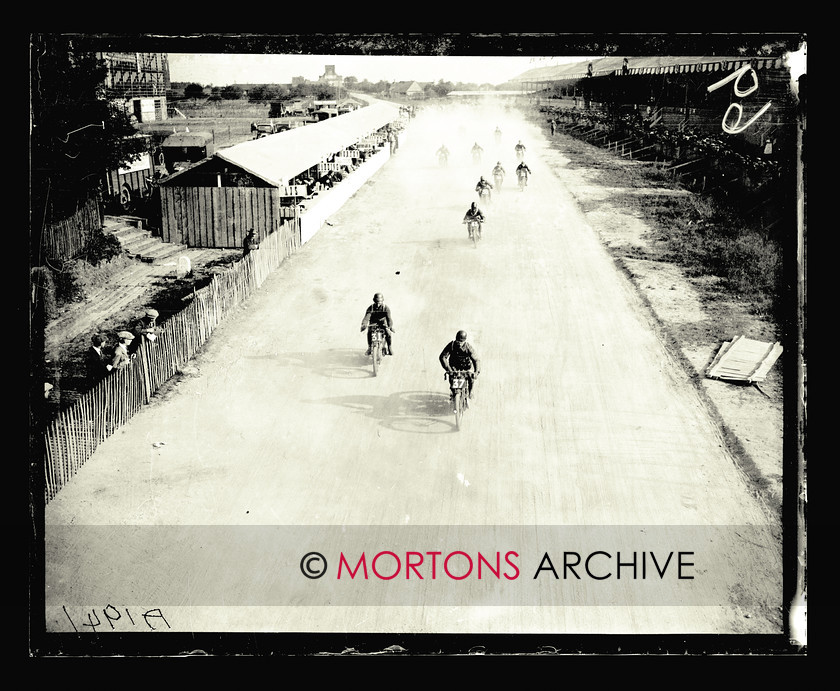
744, 359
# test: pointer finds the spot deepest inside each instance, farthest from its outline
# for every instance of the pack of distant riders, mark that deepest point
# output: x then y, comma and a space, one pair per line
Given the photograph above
458, 357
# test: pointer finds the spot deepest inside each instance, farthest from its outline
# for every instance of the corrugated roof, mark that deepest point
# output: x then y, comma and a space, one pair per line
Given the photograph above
280, 157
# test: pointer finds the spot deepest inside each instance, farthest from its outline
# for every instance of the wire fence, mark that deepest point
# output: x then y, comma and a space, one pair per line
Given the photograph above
71, 439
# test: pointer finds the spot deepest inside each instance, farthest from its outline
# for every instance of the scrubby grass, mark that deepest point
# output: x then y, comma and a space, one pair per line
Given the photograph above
78, 278
224, 109
709, 240
694, 230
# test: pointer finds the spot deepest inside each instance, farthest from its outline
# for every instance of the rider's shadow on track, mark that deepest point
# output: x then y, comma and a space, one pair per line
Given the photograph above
338, 363
409, 411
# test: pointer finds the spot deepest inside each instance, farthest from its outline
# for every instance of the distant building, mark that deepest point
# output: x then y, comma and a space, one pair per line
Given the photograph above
139, 81
330, 77
406, 90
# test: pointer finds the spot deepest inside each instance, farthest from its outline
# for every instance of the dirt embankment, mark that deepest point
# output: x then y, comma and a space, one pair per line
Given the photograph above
691, 314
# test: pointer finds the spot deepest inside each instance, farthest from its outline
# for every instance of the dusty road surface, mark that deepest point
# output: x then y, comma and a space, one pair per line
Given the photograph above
587, 486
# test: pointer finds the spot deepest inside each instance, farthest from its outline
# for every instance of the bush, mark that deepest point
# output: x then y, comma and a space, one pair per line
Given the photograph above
750, 264
77, 277
102, 247
710, 239
67, 287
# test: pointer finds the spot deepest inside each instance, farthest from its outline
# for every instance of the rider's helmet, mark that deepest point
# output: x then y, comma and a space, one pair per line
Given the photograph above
472, 206
381, 298
482, 179
461, 336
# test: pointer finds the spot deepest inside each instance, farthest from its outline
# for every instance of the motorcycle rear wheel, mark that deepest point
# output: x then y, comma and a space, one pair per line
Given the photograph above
376, 354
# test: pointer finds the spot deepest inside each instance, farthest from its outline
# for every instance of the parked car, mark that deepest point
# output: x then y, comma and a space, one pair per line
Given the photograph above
263, 129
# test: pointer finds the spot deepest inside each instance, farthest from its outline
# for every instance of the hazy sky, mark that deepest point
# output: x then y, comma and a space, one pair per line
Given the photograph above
223, 69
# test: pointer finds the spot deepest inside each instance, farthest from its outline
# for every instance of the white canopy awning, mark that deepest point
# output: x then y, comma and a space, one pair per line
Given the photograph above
279, 157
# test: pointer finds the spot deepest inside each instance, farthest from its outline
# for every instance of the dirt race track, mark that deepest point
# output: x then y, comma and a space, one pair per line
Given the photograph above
584, 437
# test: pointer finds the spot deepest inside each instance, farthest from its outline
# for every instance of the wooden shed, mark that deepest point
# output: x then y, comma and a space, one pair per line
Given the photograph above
406, 90
252, 185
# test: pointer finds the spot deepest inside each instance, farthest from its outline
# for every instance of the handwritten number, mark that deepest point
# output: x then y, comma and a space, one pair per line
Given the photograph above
67, 614
754, 87
111, 619
736, 127
156, 614
90, 620
112, 615
737, 77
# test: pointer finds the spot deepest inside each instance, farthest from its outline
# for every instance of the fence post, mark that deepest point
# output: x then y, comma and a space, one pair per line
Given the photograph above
73, 436
143, 361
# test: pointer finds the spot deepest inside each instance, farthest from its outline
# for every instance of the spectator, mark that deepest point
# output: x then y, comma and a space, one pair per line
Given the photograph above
121, 356
95, 359
145, 327
250, 243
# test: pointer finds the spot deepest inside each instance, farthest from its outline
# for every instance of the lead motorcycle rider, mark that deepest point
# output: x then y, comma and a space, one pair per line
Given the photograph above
460, 355
474, 214
379, 314
522, 173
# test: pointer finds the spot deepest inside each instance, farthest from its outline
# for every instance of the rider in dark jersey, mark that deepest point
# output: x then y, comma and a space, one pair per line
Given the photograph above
482, 185
460, 355
474, 214
379, 314
523, 170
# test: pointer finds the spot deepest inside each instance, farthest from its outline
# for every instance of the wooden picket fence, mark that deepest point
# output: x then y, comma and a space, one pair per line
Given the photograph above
68, 237
71, 439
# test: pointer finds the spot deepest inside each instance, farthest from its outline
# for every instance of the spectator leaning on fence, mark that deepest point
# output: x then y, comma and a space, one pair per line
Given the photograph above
250, 243
145, 328
121, 357
96, 360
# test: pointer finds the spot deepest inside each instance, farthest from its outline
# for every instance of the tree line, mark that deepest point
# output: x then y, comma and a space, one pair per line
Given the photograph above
258, 93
